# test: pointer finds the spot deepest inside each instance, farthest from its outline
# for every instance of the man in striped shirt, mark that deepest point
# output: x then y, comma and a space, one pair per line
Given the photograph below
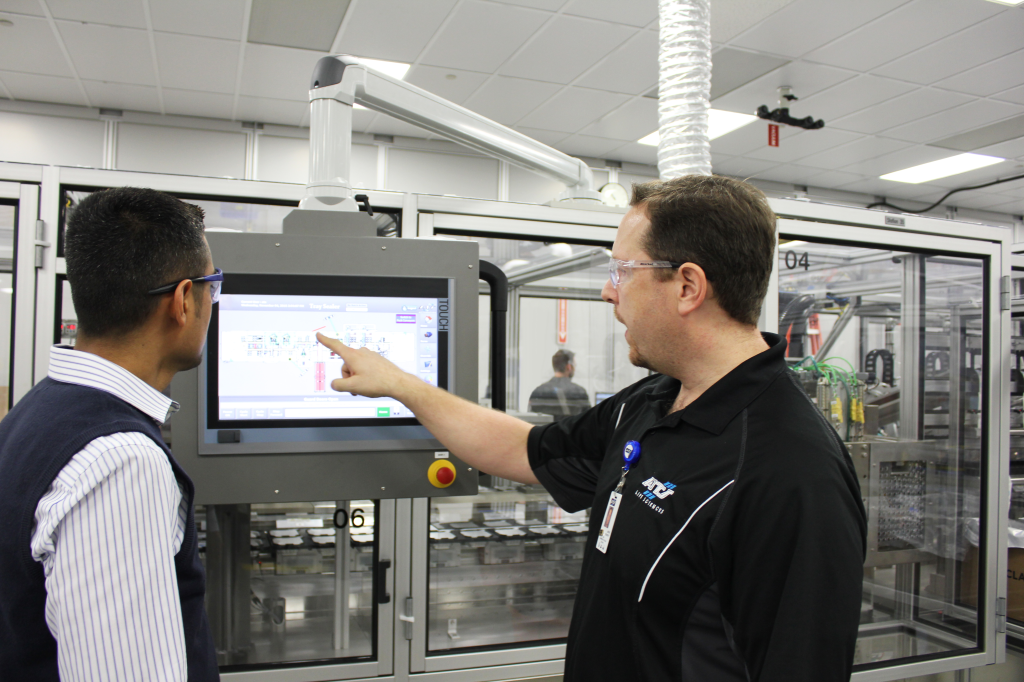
100, 577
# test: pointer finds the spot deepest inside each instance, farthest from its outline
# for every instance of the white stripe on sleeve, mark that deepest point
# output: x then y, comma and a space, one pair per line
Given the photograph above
106, 533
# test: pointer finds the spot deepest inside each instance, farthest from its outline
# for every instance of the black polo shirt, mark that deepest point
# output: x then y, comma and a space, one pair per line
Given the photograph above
738, 547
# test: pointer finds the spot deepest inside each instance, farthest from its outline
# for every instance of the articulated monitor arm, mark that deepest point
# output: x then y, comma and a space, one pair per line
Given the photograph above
340, 81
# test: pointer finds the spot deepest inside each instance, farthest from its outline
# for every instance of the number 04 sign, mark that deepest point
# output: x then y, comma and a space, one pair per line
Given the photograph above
796, 260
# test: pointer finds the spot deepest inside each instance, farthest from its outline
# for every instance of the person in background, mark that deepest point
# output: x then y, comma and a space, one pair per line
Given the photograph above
100, 576
559, 396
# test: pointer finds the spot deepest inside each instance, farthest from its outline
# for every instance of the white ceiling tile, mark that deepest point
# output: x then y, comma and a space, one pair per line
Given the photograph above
409, 26
108, 53
805, 78
884, 188
805, 25
1014, 206
635, 153
30, 46
791, 173
628, 123
976, 45
549, 5
1011, 149
220, 19
900, 32
37, 88
909, 107
481, 36
967, 117
732, 68
278, 72
849, 96
109, 12
632, 68
988, 79
507, 100
832, 179
30, 7
740, 167
1014, 95
185, 62
898, 160
585, 145
437, 81
548, 137
122, 96
572, 109
361, 119
635, 13
729, 18
852, 152
192, 103
267, 110
803, 143
565, 48
742, 140
976, 201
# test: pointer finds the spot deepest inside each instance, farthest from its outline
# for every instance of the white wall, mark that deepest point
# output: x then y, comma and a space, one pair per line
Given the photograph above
75, 136
28, 138
181, 151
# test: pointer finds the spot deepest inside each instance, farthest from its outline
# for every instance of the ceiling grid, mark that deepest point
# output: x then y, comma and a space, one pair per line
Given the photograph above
898, 82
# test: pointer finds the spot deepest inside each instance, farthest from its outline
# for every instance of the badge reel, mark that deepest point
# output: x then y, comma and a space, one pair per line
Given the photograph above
630, 456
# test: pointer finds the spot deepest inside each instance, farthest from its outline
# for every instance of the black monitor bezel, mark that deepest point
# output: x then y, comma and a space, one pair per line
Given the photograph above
320, 285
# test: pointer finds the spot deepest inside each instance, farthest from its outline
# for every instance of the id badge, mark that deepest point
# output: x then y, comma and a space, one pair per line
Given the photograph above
605, 533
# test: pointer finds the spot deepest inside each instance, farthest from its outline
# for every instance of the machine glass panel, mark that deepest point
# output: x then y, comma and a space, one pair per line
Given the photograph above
290, 583
890, 347
504, 564
8, 220
221, 214
1015, 539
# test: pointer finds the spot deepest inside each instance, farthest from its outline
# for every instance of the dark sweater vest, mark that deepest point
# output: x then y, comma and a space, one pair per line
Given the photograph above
47, 427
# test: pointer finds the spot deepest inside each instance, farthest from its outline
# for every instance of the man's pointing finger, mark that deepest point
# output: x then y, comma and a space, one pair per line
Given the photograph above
333, 344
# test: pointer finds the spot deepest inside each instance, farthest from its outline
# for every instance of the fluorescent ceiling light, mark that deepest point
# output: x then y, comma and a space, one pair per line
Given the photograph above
791, 243
961, 163
393, 69
719, 123
1011, 3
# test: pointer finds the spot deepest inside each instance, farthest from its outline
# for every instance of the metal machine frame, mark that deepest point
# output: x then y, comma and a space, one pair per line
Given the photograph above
402, 625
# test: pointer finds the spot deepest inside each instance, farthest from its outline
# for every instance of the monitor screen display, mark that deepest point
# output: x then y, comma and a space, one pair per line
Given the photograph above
266, 368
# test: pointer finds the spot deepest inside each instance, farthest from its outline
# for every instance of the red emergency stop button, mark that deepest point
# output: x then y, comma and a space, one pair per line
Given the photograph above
441, 473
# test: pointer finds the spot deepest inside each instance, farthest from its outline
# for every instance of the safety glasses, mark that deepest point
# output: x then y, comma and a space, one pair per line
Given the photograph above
620, 271
215, 280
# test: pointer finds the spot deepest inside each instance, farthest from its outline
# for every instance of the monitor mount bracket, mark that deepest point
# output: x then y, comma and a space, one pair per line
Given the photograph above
339, 82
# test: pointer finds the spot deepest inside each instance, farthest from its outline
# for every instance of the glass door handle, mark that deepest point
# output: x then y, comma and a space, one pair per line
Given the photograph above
383, 597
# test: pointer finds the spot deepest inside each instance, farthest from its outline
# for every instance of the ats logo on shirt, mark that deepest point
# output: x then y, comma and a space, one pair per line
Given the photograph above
655, 490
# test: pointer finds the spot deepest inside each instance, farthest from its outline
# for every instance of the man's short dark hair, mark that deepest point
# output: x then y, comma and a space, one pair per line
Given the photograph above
723, 225
561, 359
122, 242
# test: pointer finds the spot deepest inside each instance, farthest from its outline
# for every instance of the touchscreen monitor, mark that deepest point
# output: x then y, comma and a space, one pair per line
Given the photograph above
267, 370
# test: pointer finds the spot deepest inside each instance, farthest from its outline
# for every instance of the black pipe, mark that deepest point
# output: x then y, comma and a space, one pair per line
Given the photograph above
496, 279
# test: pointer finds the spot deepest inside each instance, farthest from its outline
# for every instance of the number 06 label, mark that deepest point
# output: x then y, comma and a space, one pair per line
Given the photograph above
608, 522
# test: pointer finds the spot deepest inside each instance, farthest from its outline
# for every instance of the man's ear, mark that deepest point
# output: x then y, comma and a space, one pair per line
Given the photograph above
183, 303
692, 287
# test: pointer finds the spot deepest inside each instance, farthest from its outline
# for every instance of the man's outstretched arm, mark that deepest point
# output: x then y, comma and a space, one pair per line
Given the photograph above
491, 441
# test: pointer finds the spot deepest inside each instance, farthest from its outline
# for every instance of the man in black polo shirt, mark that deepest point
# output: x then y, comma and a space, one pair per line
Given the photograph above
727, 534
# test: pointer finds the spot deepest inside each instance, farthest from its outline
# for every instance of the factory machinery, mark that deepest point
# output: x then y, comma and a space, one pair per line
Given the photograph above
342, 541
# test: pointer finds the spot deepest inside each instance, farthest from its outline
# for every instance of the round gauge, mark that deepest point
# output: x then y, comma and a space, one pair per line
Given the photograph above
614, 194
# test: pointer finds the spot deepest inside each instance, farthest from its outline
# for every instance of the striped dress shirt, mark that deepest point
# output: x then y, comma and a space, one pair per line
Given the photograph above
106, 533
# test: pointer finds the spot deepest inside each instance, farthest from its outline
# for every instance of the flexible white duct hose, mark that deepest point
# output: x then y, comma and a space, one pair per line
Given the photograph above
683, 88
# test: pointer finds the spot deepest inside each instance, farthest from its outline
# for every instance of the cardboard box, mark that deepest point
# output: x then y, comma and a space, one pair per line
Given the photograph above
1014, 582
